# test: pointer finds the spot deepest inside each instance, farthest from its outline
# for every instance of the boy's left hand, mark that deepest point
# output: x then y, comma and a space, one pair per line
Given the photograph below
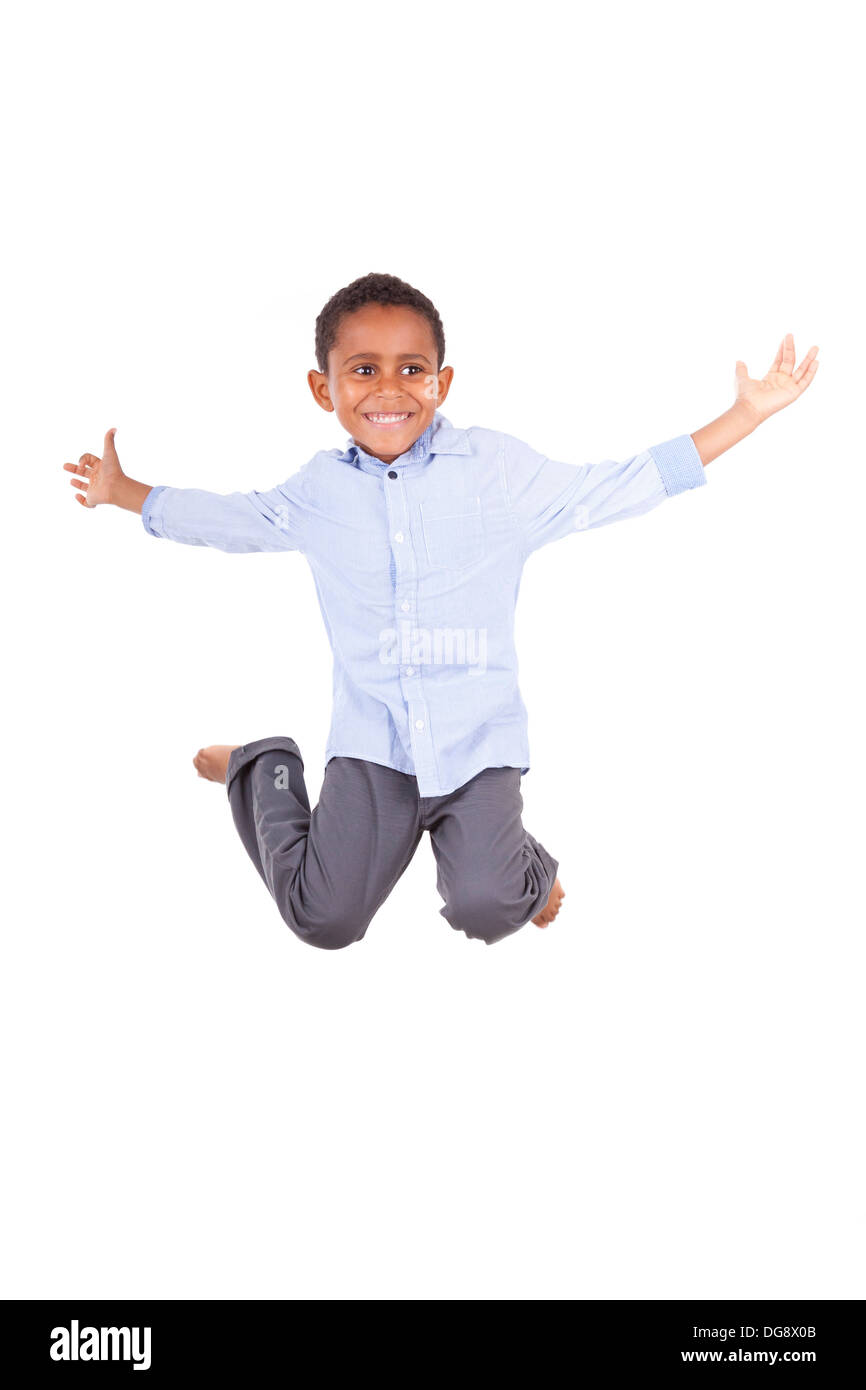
781, 385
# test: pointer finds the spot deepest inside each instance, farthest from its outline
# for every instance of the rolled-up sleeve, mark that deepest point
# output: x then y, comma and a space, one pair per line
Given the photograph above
552, 499
234, 521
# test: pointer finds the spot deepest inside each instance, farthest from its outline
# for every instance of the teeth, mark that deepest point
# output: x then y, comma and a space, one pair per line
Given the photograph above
383, 418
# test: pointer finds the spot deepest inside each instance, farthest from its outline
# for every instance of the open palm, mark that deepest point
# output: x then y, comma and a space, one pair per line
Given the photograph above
95, 476
782, 384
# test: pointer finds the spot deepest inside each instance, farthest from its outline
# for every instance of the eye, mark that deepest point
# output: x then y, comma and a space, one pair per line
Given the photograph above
413, 367
364, 367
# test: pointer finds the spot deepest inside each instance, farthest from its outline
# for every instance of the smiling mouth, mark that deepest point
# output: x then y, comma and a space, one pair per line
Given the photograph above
389, 419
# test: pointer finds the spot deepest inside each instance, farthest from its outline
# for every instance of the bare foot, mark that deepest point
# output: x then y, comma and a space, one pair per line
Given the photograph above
554, 902
212, 762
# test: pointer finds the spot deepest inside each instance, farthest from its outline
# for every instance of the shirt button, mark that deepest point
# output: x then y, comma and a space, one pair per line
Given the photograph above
398, 536
419, 723
392, 474
410, 670
405, 605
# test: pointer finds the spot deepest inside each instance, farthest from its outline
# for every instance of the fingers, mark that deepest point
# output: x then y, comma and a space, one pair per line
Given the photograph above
786, 357
84, 463
82, 484
807, 362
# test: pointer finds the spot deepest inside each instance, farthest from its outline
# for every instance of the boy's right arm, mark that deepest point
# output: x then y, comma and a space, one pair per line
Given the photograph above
234, 521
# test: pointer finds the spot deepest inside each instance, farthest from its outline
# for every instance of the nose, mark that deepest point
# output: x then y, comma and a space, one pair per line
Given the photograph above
391, 386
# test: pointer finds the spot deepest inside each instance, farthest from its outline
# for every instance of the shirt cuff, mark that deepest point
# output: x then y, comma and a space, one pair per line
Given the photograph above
147, 509
679, 464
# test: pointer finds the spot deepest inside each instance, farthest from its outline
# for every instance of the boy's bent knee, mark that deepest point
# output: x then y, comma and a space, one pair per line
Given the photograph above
482, 916
330, 932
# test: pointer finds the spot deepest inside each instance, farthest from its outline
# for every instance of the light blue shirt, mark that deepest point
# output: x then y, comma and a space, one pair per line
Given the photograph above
417, 568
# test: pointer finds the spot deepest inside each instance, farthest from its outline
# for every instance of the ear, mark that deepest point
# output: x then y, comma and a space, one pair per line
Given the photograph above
446, 376
318, 383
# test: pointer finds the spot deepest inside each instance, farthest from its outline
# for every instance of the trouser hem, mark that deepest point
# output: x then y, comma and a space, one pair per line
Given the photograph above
248, 753
551, 867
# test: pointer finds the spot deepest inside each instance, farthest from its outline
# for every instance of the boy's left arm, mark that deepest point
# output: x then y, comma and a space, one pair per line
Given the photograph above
552, 499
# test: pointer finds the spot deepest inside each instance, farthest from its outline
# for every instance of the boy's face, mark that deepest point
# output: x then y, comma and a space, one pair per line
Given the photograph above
382, 379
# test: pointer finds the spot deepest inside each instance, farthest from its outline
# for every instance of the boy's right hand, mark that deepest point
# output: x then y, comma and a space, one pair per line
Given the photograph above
97, 478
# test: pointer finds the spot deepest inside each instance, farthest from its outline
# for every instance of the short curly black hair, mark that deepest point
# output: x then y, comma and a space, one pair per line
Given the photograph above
373, 289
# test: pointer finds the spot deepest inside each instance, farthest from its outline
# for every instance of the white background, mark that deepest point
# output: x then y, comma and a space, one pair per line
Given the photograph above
658, 1097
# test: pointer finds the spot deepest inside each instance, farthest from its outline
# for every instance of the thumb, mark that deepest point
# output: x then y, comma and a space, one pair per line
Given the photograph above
742, 371
109, 442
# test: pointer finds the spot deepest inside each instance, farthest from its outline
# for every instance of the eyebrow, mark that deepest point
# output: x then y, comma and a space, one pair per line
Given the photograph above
403, 357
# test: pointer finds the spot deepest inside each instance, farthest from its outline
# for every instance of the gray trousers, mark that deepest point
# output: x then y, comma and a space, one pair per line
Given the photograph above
330, 869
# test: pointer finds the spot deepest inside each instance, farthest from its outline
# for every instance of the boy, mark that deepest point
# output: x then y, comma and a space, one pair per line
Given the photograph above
416, 534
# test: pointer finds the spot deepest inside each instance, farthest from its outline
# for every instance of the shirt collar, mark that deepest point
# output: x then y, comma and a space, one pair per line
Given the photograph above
440, 437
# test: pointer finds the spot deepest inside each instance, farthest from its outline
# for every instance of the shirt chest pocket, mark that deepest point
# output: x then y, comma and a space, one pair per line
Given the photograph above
453, 532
